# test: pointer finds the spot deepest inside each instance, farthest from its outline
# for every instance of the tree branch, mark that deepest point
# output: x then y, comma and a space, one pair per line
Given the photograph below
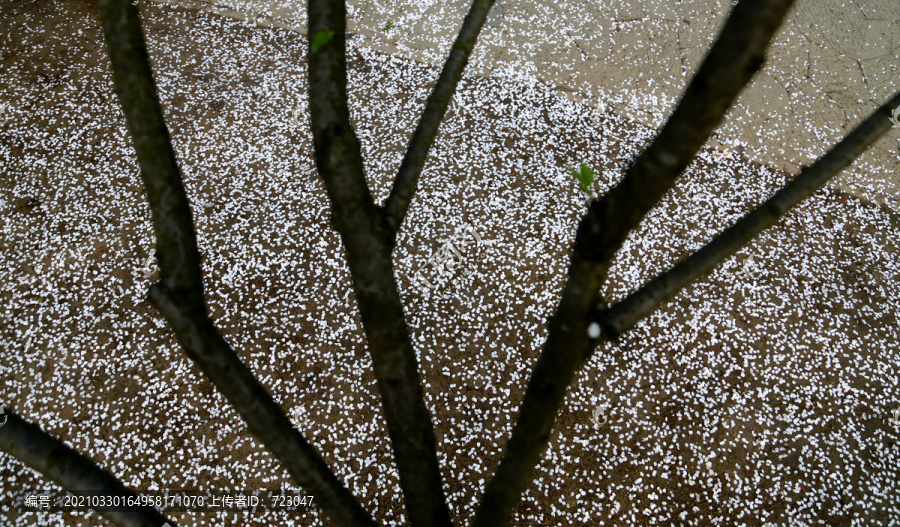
71, 470
641, 303
179, 296
404, 187
563, 354
737, 54
205, 345
368, 244
176, 241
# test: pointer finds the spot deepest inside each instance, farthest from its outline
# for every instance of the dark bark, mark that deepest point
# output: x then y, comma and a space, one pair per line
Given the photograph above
368, 233
435, 107
644, 301
368, 243
72, 471
179, 295
737, 54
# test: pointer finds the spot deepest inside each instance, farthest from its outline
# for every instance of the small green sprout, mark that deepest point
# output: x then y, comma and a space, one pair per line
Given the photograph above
388, 26
585, 178
322, 38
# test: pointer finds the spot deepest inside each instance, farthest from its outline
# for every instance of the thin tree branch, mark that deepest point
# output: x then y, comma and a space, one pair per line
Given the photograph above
368, 246
647, 299
179, 295
738, 52
72, 471
563, 354
404, 187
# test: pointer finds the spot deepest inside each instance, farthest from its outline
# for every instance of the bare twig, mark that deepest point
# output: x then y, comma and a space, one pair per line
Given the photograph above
411, 167
72, 471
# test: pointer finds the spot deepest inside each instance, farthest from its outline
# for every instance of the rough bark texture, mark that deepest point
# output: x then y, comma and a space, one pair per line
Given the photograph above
368, 233
736, 55
179, 295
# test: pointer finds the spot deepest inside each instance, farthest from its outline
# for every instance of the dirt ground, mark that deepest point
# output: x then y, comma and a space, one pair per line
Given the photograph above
39, 65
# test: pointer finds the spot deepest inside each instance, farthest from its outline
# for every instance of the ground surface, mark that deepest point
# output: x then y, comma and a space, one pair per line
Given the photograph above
829, 65
761, 394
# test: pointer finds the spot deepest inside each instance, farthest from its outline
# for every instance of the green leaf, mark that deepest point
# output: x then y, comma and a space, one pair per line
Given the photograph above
587, 174
585, 177
322, 38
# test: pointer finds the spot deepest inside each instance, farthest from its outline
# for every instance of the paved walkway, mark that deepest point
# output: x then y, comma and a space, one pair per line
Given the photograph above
828, 66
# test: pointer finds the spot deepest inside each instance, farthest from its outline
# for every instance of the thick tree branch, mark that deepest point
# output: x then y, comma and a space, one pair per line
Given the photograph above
179, 296
368, 245
205, 345
647, 299
563, 354
411, 167
737, 54
176, 241
71, 470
